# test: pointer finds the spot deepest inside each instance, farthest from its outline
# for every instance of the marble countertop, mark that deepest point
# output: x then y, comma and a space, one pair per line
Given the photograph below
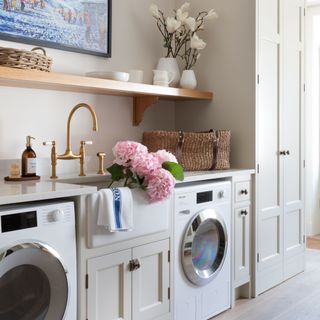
72, 185
17, 192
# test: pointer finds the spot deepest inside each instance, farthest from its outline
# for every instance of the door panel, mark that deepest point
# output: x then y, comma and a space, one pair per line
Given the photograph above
151, 281
269, 22
269, 180
242, 244
109, 290
293, 132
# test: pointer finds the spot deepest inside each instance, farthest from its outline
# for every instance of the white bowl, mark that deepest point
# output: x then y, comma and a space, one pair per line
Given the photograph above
111, 75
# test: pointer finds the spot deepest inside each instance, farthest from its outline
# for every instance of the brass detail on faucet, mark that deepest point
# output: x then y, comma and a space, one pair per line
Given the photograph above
69, 154
101, 156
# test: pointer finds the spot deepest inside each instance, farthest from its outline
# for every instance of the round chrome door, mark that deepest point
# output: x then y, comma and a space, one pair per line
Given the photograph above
204, 247
33, 283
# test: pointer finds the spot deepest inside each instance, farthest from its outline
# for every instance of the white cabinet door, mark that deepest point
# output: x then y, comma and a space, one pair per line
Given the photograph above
109, 287
150, 283
280, 186
269, 180
292, 125
241, 245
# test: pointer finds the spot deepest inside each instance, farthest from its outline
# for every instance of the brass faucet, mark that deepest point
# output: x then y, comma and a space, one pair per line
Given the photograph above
68, 154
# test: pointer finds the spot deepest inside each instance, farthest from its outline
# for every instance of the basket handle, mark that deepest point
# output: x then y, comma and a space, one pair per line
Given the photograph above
179, 146
39, 48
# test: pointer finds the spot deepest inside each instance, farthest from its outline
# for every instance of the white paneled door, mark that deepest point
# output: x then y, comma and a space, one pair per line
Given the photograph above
269, 179
280, 214
109, 290
293, 174
150, 283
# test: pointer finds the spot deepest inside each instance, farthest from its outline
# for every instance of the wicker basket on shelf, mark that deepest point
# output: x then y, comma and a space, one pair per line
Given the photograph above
23, 59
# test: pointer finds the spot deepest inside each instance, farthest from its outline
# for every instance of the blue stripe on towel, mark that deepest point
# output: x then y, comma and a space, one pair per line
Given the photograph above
117, 206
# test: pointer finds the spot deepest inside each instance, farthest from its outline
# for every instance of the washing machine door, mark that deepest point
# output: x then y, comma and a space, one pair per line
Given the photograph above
33, 283
204, 247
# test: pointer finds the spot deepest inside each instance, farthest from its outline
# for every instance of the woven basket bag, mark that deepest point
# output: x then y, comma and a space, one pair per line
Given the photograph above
195, 151
23, 59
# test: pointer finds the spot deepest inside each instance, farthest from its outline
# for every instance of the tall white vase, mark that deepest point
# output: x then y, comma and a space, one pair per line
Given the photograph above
171, 65
188, 80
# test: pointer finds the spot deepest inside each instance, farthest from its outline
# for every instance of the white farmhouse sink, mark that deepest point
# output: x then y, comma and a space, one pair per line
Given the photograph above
147, 218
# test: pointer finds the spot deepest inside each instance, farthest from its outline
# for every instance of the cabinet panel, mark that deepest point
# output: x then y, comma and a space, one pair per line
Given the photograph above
269, 220
241, 245
109, 290
269, 23
280, 214
293, 135
242, 191
151, 281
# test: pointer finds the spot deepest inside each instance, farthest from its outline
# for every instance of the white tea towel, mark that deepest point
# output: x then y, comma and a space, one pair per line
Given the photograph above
115, 209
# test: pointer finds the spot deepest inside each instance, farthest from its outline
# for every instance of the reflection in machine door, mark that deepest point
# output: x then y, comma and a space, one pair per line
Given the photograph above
204, 247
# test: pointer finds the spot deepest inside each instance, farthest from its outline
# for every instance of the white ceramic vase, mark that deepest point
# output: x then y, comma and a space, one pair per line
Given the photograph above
171, 65
188, 80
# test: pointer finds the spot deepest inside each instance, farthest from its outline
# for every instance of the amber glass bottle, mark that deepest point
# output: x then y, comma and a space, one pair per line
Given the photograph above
28, 160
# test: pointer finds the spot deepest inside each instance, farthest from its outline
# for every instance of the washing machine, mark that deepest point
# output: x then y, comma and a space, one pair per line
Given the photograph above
201, 250
38, 262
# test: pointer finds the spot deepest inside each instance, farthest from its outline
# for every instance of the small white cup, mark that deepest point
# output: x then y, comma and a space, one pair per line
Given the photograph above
162, 77
136, 76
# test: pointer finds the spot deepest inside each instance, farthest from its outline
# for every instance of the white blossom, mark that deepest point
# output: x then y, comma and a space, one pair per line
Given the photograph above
185, 7
197, 43
211, 15
181, 16
190, 23
172, 24
154, 11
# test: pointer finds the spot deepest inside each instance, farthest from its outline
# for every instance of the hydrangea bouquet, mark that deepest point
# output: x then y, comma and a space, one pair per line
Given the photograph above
153, 172
180, 32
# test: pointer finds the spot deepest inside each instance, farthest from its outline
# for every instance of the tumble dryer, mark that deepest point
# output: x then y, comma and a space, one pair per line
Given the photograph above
201, 250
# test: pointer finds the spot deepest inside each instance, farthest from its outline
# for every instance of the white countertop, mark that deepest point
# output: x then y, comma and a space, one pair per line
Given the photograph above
67, 186
194, 176
15, 192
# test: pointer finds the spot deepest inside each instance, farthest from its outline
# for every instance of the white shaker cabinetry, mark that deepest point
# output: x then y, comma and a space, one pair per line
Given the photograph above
241, 235
130, 284
279, 221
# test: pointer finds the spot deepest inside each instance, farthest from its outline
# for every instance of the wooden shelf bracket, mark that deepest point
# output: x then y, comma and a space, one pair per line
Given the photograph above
140, 104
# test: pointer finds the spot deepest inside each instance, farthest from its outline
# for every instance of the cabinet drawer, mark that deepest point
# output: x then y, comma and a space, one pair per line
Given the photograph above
242, 191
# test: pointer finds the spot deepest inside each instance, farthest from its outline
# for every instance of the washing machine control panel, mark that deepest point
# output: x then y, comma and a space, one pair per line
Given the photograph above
56, 215
61, 214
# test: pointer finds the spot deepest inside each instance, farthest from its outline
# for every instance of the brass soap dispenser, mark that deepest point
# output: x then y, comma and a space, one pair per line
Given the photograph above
29, 160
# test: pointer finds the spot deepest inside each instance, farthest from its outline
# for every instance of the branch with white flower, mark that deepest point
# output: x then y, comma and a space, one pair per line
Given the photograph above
179, 32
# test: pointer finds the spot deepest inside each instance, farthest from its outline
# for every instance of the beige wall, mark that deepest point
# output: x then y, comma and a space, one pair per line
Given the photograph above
136, 43
227, 67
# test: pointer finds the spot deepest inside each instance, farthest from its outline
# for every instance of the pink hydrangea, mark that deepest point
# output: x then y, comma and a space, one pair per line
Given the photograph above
160, 186
164, 156
125, 151
145, 164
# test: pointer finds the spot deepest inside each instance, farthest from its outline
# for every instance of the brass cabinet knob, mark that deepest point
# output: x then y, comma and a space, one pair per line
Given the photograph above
101, 156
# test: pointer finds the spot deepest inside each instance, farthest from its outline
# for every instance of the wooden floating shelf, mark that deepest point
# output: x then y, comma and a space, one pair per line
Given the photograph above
144, 95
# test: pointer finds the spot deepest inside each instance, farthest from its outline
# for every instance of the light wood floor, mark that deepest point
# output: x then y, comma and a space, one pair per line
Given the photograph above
313, 242
296, 299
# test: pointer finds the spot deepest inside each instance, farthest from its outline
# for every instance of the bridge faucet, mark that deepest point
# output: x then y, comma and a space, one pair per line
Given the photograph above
68, 154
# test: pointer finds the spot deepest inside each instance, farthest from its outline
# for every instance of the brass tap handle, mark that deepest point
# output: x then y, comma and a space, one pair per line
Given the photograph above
101, 156
53, 158
83, 156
